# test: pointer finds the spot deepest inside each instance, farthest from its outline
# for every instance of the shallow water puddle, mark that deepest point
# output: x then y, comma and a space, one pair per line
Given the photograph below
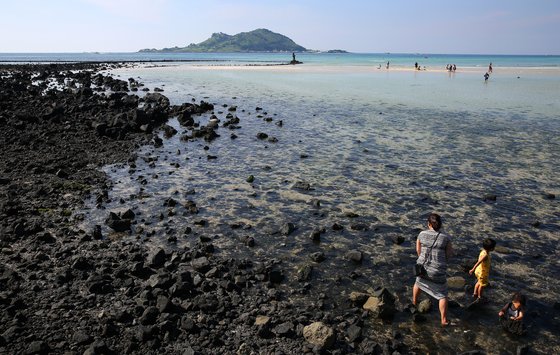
377, 176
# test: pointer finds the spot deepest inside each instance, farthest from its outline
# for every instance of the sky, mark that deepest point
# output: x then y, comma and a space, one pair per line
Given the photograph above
368, 26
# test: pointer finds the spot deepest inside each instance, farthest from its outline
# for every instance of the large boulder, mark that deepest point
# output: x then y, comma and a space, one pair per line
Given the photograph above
185, 119
319, 335
355, 256
262, 135
155, 98
129, 100
301, 185
456, 282
381, 304
156, 258
315, 235
359, 298
285, 330
353, 333
201, 264
425, 306
262, 320
275, 276
149, 316
304, 273
318, 257
38, 347
117, 224
204, 107
287, 228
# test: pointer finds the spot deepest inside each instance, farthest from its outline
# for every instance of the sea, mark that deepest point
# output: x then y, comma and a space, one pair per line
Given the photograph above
310, 58
362, 153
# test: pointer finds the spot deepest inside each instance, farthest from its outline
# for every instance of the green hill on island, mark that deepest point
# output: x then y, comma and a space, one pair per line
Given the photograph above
261, 40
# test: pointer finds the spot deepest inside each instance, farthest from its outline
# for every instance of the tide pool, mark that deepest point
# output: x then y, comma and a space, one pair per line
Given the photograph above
371, 150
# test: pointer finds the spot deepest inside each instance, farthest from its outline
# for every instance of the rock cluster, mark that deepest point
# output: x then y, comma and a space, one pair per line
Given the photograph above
65, 290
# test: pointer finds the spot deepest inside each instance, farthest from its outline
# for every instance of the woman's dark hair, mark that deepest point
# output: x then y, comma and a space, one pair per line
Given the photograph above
435, 221
519, 297
489, 244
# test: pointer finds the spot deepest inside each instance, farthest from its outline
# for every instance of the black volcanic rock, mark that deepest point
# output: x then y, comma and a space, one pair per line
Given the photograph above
117, 223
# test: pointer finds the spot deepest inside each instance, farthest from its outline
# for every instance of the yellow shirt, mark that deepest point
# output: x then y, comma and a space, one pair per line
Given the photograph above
483, 269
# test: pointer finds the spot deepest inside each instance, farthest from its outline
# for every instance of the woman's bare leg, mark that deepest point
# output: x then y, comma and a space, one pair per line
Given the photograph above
443, 311
415, 293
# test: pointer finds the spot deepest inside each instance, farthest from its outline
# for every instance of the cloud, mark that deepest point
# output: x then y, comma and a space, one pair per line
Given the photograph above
141, 10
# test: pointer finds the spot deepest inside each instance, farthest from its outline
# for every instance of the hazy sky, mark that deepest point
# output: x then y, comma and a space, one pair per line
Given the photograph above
428, 26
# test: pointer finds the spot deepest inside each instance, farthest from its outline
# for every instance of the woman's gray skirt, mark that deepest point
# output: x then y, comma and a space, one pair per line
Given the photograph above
436, 290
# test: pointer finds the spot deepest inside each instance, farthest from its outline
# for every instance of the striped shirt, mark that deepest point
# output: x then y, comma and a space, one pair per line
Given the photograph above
436, 260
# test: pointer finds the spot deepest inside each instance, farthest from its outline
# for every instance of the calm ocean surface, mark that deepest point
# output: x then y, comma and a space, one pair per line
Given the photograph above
428, 60
380, 149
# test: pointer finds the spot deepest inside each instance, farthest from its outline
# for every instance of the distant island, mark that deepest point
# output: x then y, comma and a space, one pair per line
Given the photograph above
337, 51
260, 40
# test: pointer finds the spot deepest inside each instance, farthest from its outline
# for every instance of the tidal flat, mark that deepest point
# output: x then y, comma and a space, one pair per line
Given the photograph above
302, 203
365, 168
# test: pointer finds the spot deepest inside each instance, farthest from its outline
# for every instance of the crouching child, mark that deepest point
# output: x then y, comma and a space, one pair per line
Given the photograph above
512, 314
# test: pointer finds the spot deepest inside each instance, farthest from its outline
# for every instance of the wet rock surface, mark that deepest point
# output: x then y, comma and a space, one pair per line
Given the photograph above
67, 290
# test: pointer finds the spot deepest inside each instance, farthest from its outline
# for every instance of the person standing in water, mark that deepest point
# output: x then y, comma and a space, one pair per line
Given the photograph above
490, 68
482, 268
434, 251
387, 65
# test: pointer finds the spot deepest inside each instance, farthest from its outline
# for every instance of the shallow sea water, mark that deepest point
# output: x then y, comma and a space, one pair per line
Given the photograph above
380, 151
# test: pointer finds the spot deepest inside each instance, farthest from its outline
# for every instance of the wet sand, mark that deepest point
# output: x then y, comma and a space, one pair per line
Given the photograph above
314, 68
371, 177
360, 181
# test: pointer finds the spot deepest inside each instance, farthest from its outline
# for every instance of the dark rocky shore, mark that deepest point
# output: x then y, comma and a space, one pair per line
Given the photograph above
66, 290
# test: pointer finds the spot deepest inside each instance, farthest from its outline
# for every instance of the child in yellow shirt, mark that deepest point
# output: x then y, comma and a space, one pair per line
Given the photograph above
482, 267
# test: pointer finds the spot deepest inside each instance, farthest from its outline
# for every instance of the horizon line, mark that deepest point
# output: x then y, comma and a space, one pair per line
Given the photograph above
310, 51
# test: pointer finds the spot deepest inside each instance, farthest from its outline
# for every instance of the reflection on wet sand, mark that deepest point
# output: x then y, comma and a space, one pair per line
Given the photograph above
376, 176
